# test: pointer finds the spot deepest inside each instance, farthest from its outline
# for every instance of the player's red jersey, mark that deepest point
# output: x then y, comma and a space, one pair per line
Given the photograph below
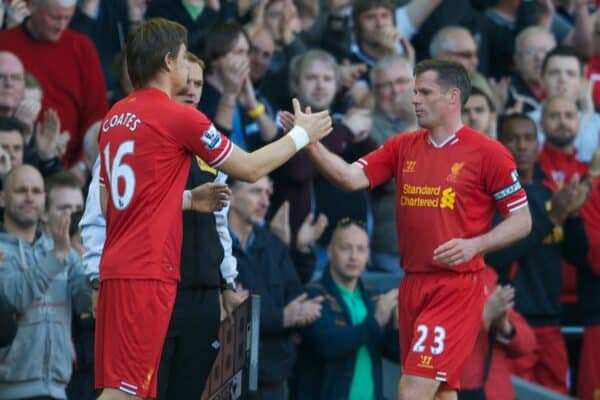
444, 192
145, 145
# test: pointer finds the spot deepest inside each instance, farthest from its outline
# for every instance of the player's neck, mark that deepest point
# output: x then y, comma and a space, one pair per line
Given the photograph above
161, 84
439, 134
26, 234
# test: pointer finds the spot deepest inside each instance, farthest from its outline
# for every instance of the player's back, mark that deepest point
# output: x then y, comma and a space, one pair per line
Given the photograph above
144, 143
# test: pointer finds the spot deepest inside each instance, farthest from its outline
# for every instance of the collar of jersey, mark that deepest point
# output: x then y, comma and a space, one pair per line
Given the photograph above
444, 143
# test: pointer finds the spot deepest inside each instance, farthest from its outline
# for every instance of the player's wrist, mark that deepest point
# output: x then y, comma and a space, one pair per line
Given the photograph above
299, 136
186, 201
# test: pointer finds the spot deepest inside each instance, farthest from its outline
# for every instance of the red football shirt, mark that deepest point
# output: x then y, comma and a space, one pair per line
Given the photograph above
145, 144
444, 192
560, 167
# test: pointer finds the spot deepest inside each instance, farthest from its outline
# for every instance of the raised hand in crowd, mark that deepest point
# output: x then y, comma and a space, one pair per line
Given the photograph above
234, 73
360, 122
569, 199
386, 303
16, 12
350, 73
60, 235
27, 112
290, 24
247, 95
280, 223
389, 38
500, 88
302, 312
495, 309
5, 163
310, 231
49, 141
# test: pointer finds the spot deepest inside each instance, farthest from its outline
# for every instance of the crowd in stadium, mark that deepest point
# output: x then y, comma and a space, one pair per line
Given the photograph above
294, 237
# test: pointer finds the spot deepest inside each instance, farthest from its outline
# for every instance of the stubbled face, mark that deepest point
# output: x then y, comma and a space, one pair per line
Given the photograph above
372, 22
393, 89
520, 137
317, 85
430, 102
477, 114
193, 89
348, 253
50, 20
562, 77
560, 122
250, 201
12, 83
179, 71
530, 56
24, 197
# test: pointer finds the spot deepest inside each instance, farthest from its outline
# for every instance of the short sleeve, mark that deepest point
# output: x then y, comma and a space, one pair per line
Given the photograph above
198, 134
380, 165
501, 179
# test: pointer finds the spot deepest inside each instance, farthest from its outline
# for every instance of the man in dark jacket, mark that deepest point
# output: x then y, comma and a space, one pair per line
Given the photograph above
8, 322
266, 268
533, 264
340, 355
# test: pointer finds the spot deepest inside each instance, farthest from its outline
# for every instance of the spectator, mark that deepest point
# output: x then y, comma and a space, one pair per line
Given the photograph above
63, 194
8, 322
106, 23
229, 99
265, 268
193, 14
269, 86
456, 43
479, 113
314, 78
533, 264
12, 86
67, 66
12, 143
392, 81
504, 335
41, 277
340, 356
531, 46
562, 76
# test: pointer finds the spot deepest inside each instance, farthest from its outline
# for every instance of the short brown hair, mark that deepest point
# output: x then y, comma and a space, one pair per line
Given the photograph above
450, 75
148, 43
191, 57
63, 179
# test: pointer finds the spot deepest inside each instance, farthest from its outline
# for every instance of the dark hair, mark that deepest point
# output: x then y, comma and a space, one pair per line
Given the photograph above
503, 120
475, 91
63, 179
148, 43
12, 124
450, 75
562, 51
218, 40
361, 6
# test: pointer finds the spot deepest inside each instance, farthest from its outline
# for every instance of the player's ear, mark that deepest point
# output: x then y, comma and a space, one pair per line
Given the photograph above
169, 61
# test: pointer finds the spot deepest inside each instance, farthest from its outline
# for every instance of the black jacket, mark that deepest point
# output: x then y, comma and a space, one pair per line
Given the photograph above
266, 269
533, 264
8, 322
201, 250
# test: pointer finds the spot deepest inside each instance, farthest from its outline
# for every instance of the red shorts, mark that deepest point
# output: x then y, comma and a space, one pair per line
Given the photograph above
439, 319
589, 365
131, 325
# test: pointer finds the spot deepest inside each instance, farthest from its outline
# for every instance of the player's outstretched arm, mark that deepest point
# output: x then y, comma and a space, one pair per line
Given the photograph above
250, 167
348, 177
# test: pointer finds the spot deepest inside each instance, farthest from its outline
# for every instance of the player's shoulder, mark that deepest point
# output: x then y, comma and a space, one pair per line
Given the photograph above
408, 138
483, 143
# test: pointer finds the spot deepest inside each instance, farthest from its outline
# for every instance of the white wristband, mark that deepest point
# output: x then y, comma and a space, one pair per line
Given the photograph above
299, 136
186, 202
